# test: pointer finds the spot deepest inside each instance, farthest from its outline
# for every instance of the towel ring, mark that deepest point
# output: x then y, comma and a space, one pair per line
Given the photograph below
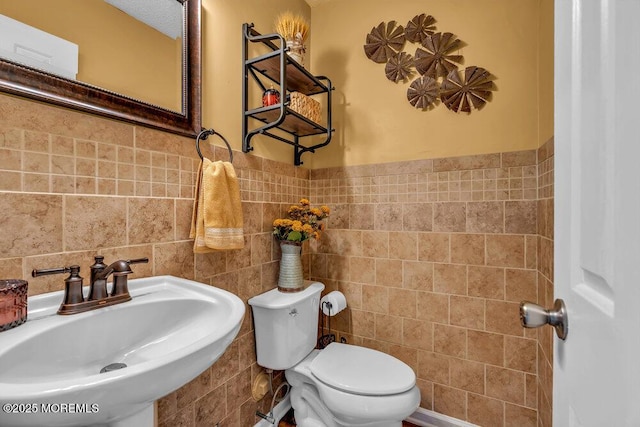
204, 134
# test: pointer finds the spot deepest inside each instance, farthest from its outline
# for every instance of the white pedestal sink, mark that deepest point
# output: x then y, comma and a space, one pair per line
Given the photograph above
171, 331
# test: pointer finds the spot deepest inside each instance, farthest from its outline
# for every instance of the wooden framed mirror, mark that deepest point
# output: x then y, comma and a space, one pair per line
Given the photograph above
184, 118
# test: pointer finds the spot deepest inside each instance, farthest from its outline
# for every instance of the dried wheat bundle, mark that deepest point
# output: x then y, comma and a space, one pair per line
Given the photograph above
292, 27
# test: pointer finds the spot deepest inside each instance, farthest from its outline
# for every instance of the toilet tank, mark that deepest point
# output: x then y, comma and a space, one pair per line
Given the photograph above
286, 325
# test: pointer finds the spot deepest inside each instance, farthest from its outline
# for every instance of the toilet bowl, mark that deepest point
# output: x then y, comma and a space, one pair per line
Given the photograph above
342, 385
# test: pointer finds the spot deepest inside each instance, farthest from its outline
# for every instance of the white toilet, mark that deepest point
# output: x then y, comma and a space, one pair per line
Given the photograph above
342, 385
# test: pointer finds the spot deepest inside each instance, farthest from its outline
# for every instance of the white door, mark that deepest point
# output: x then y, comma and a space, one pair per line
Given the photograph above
597, 212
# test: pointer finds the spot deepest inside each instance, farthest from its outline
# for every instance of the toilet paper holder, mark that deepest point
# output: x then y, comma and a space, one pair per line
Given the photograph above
333, 303
330, 305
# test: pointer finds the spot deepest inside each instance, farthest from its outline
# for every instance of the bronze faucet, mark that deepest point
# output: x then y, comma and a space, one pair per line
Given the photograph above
74, 300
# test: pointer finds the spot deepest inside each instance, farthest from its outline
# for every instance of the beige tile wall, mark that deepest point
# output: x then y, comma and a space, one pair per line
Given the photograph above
434, 257
545, 281
74, 185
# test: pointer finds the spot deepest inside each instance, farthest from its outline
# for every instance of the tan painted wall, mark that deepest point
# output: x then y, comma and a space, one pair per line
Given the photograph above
136, 60
545, 72
374, 121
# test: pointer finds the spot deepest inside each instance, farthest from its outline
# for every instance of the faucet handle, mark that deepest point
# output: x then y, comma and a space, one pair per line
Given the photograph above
73, 287
72, 284
48, 271
138, 261
120, 286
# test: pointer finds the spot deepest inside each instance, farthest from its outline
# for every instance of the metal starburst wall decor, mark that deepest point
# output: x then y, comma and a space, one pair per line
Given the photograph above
435, 58
473, 89
419, 28
436, 61
399, 67
384, 41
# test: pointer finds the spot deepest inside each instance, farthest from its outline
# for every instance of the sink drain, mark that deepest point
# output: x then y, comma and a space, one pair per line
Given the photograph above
112, 367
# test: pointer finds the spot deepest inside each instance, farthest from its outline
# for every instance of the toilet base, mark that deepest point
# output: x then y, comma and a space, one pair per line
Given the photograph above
308, 410
312, 411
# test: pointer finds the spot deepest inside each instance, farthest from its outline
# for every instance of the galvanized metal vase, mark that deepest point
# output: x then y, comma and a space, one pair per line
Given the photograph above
290, 278
296, 51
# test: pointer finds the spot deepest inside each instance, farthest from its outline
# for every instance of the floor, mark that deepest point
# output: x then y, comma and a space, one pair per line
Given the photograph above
289, 421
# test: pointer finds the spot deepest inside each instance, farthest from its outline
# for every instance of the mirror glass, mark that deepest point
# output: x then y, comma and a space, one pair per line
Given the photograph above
136, 60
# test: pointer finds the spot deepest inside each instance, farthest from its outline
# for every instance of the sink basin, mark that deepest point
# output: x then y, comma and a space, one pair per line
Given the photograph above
171, 331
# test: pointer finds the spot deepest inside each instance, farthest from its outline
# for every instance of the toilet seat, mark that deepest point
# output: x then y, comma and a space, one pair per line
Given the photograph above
363, 371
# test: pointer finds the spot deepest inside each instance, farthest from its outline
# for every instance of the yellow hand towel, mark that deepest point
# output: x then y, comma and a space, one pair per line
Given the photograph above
197, 217
217, 213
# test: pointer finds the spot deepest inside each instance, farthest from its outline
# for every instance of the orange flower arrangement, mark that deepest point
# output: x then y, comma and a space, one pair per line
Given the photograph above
303, 222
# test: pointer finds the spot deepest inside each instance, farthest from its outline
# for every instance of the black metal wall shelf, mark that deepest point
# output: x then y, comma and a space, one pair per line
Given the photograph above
277, 67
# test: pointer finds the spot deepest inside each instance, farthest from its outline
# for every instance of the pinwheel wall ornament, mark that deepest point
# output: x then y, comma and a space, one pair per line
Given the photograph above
472, 90
435, 60
384, 41
399, 67
423, 91
419, 28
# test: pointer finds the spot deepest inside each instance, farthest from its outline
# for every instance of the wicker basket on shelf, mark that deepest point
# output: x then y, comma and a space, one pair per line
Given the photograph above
305, 106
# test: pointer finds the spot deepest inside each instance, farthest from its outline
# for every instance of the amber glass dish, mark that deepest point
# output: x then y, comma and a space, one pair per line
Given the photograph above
13, 303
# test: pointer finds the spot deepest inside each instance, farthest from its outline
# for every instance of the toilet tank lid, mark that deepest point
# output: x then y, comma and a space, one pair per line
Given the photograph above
361, 370
274, 299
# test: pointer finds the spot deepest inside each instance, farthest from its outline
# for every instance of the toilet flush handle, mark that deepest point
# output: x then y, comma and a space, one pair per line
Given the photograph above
293, 312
